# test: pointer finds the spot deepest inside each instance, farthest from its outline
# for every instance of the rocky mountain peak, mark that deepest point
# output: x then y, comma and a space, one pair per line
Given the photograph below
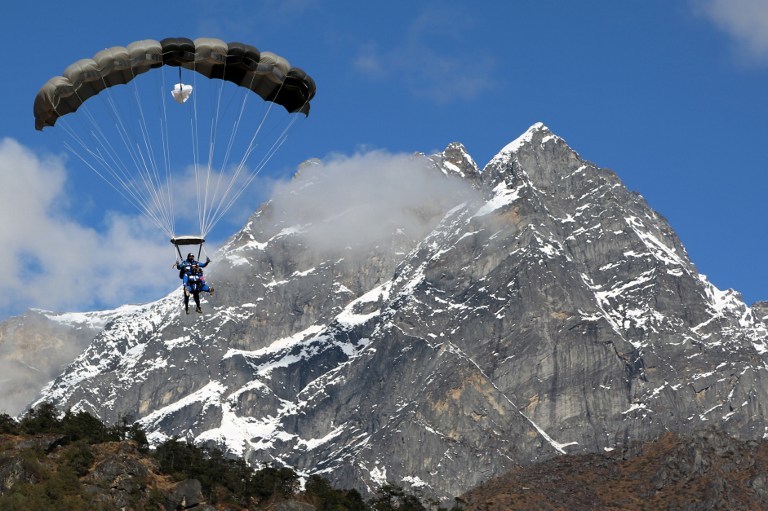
456, 160
435, 343
538, 157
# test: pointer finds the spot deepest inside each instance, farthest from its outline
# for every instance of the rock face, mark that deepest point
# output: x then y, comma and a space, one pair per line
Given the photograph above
36, 347
110, 475
705, 470
534, 308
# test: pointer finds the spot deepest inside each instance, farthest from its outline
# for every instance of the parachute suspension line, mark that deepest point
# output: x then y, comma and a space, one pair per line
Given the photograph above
218, 195
213, 195
194, 126
122, 177
199, 181
158, 190
227, 201
112, 166
131, 198
165, 140
145, 197
205, 196
165, 181
252, 175
143, 160
216, 214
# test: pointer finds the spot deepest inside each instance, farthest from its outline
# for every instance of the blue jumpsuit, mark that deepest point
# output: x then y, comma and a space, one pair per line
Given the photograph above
194, 284
186, 264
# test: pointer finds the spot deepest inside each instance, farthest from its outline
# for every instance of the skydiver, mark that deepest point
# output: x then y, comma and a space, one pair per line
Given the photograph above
183, 266
194, 284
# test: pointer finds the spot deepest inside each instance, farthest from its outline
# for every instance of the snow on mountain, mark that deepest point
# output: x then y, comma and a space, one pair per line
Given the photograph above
439, 328
36, 346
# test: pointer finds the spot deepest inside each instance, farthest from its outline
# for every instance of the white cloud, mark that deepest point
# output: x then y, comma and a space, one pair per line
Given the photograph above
51, 261
744, 20
243, 16
216, 190
358, 201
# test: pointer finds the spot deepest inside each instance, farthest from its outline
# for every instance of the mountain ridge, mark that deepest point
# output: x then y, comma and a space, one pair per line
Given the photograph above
509, 315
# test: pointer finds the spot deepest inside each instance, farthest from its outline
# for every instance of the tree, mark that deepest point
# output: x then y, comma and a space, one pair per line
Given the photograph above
271, 481
43, 419
8, 425
84, 426
138, 435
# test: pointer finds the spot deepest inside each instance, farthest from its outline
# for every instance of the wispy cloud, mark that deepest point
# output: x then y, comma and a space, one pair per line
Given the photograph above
746, 21
50, 260
265, 18
356, 202
429, 67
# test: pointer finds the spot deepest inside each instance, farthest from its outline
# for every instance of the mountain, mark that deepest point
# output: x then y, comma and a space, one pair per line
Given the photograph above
704, 470
434, 325
35, 347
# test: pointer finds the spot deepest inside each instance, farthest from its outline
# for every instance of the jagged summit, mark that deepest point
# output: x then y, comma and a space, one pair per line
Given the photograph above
536, 134
550, 311
536, 130
456, 160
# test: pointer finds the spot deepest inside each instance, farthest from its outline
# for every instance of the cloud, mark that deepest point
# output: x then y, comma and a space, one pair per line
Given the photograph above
267, 17
226, 197
358, 201
746, 21
424, 61
49, 260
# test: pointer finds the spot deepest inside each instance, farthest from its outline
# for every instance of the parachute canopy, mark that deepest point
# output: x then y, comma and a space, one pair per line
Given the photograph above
203, 151
268, 75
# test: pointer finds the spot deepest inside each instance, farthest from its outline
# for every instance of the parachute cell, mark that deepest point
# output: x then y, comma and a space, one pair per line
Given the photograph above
267, 74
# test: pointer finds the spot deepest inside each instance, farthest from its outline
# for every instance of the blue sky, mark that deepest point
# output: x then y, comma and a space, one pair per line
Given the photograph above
671, 95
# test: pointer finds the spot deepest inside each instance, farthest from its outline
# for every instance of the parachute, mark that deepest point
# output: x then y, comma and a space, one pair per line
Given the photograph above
135, 147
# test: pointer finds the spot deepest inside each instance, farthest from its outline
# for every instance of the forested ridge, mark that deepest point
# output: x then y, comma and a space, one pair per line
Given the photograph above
75, 462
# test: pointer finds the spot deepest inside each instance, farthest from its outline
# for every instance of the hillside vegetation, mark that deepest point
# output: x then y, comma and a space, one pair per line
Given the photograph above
76, 463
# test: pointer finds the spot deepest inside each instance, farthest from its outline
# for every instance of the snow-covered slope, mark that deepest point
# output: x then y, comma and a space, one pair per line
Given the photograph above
36, 346
539, 308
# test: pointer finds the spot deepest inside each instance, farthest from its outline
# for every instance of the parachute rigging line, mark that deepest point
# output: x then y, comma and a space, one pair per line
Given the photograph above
134, 149
112, 164
224, 208
215, 215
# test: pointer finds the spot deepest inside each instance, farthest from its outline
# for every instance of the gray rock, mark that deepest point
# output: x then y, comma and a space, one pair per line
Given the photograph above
188, 494
544, 309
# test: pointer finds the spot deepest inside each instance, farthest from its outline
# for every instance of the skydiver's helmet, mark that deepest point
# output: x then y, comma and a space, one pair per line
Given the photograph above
190, 257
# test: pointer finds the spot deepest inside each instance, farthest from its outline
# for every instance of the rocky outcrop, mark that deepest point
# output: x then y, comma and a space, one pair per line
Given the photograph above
704, 470
111, 475
36, 346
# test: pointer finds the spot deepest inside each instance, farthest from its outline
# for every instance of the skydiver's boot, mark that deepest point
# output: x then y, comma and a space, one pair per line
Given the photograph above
198, 309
